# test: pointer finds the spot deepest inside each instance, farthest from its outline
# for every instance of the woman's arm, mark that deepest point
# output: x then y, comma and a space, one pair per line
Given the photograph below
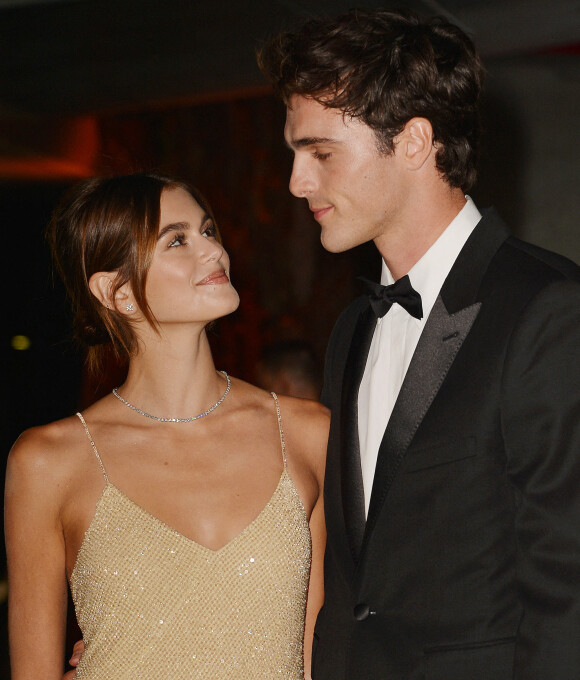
37, 596
316, 584
308, 423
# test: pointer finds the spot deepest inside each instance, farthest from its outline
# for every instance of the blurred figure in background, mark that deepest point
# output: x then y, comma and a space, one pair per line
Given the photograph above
290, 367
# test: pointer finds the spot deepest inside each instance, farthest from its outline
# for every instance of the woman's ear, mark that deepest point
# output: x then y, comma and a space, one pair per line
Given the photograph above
102, 287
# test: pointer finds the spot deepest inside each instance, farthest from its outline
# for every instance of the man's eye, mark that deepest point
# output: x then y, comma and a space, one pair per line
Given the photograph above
321, 156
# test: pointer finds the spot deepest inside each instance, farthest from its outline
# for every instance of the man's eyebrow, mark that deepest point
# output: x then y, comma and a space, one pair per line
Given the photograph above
309, 141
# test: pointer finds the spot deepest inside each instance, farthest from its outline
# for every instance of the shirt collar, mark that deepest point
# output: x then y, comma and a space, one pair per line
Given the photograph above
429, 273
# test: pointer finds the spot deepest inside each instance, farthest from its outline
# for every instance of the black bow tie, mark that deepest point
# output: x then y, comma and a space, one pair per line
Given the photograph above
382, 297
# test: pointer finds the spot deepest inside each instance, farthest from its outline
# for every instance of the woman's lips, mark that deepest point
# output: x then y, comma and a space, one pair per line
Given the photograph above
215, 278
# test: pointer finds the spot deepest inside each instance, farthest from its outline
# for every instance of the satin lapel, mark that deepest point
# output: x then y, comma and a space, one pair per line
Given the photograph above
447, 327
351, 473
440, 341
462, 285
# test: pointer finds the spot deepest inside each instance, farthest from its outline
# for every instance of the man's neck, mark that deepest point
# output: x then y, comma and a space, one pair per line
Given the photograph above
425, 224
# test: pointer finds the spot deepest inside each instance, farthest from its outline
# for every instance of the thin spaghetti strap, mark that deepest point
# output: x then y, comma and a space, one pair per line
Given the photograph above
279, 415
94, 447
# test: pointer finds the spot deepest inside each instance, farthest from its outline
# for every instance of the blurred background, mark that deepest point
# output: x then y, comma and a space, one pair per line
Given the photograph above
100, 86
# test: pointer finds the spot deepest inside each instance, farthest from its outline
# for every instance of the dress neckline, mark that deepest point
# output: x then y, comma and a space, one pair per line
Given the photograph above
109, 486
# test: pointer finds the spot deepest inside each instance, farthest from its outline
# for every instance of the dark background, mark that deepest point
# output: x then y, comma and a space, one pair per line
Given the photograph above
89, 87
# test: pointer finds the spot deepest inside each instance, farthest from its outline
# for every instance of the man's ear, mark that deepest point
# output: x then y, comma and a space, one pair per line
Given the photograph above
102, 287
415, 142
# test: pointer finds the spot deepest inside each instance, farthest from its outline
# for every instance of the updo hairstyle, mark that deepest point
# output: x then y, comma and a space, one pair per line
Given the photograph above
109, 224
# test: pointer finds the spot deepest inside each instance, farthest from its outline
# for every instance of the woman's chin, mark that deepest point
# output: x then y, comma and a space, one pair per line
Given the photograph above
226, 307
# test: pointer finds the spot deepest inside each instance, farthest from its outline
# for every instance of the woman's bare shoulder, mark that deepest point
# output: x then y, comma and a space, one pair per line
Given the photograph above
251, 398
306, 425
46, 449
295, 411
305, 412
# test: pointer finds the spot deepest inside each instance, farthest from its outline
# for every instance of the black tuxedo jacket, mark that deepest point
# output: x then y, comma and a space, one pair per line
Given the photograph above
468, 566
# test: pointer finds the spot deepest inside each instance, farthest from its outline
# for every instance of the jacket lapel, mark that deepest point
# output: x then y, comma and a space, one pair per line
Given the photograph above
440, 341
448, 325
351, 473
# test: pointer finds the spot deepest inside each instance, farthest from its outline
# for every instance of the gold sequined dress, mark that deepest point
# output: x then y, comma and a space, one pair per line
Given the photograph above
154, 604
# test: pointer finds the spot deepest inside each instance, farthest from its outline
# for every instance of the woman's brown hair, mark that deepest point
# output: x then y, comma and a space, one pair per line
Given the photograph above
109, 224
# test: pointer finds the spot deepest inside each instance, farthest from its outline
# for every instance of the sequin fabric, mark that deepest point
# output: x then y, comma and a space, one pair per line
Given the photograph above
152, 603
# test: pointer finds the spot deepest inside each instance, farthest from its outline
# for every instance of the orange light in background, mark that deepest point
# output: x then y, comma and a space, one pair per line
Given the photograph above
51, 150
80, 141
42, 168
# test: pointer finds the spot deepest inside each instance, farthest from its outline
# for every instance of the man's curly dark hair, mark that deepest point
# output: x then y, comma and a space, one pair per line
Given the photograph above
385, 68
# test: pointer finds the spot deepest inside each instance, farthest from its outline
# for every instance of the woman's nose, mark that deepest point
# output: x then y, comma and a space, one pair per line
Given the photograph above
213, 253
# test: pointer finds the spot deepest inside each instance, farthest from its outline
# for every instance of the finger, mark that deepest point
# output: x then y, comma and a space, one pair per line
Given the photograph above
78, 649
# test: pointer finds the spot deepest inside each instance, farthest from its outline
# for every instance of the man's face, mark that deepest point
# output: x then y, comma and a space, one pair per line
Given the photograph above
355, 192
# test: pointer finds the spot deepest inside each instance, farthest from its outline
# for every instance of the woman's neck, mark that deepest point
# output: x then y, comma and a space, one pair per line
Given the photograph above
173, 376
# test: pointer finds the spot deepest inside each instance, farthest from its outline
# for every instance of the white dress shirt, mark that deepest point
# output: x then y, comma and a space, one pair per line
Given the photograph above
396, 336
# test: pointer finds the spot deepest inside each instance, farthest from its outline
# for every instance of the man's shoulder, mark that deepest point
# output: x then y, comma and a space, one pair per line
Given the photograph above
349, 315
355, 307
521, 256
538, 259
509, 267
339, 343
521, 271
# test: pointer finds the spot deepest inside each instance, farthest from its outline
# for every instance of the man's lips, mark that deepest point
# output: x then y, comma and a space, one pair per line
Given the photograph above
217, 277
319, 213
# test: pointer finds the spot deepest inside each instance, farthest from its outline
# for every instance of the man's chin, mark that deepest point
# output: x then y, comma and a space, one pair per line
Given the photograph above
336, 245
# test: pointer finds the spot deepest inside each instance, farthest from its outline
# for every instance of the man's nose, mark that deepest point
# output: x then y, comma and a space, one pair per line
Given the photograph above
301, 180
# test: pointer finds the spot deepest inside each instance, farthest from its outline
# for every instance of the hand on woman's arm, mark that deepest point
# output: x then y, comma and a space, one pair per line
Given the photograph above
37, 596
77, 652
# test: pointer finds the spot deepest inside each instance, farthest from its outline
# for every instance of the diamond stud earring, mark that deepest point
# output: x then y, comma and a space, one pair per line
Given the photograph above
130, 307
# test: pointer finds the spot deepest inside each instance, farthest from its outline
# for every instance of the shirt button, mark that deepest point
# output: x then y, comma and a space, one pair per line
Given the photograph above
361, 611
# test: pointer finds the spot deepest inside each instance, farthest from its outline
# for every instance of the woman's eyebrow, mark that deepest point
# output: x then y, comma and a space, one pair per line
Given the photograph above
174, 226
182, 226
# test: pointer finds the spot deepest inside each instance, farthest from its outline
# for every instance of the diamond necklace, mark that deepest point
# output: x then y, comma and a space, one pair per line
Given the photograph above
177, 420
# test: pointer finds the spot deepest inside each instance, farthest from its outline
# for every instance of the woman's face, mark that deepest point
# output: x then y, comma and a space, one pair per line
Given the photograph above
188, 280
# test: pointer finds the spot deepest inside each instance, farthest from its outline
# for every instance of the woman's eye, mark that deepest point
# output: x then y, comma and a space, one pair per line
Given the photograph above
209, 230
178, 240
